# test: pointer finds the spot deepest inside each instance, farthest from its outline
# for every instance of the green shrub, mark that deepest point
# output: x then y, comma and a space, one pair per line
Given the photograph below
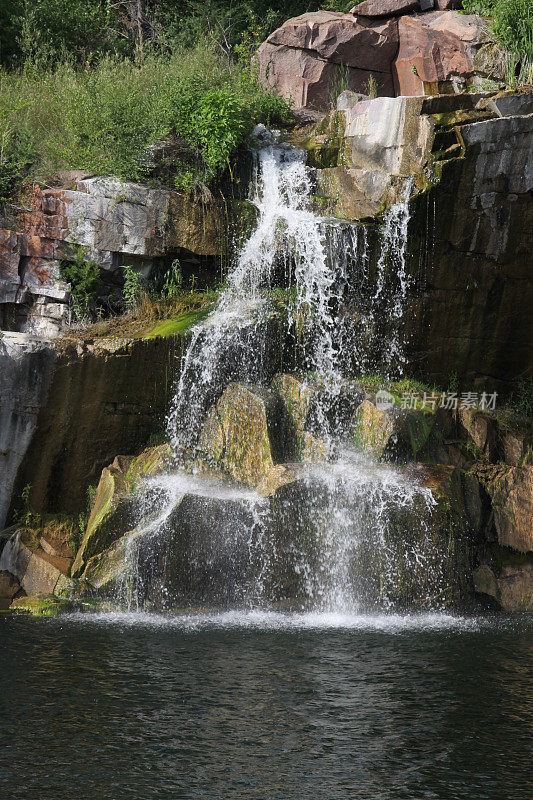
83, 275
172, 286
134, 287
511, 23
103, 119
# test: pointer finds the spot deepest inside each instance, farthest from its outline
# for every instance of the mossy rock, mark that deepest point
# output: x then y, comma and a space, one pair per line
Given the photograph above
43, 605
113, 502
393, 433
241, 434
308, 407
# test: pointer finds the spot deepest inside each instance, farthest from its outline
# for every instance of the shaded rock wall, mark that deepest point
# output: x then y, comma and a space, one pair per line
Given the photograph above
115, 222
103, 398
27, 366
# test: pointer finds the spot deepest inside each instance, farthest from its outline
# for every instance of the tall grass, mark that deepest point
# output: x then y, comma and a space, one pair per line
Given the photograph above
103, 119
512, 26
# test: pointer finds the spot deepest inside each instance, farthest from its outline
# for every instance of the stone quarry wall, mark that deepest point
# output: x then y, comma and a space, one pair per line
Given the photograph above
71, 407
470, 238
115, 223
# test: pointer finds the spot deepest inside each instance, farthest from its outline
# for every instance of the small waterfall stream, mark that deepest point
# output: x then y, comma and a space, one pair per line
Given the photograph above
349, 532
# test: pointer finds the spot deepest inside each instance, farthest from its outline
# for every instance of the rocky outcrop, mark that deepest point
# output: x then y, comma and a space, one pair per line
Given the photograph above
311, 58
241, 433
511, 493
36, 569
511, 590
385, 8
112, 223
392, 47
428, 60
112, 507
9, 589
469, 235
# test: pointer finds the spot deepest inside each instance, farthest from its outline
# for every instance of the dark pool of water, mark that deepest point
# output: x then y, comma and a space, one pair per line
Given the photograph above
271, 707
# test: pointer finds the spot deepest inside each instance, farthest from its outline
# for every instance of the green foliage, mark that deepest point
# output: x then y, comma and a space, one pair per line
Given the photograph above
371, 88
511, 23
134, 287
52, 30
104, 119
172, 286
521, 400
339, 5
339, 85
45, 32
23, 512
83, 275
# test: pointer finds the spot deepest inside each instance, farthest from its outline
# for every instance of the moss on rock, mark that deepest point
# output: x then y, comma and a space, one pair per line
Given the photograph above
113, 501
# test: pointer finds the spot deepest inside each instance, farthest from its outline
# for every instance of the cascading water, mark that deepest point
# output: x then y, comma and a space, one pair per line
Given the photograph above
338, 538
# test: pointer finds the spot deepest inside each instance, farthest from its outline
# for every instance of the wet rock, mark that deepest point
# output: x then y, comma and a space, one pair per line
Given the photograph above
428, 61
241, 434
372, 428
9, 588
394, 432
207, 552
516, 587
309, 56
313, 410
278, 476
113, 504
26, 369
511, 591
511, 492
103, 397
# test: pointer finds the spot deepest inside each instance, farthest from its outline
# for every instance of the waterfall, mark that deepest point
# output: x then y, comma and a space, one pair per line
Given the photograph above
345, 535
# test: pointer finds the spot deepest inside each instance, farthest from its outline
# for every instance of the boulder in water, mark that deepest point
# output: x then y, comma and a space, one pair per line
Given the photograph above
511, 590
9, 588
241, 435
37, 571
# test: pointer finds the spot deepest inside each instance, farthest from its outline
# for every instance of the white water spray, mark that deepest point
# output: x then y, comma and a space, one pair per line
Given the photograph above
336, 543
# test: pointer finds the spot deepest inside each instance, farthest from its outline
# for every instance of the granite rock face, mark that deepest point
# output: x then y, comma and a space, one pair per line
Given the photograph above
428, 61
392, 47
26, 370
384, 8
470, 228
381, 44
311, 56
115, 223
103, 397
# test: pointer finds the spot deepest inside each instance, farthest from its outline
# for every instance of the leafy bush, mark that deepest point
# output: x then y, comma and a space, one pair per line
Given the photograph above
104, 119
134, 287
172, 286
83, 275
